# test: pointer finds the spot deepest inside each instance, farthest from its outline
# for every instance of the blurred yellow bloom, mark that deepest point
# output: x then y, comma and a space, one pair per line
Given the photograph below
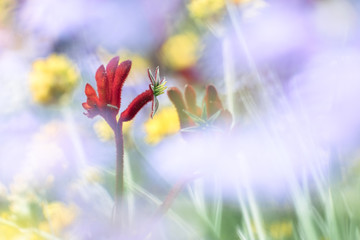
6, 8
52, 79
104, 131
58, 216
281, 230
181, 51
165, 123
205, 8
9, 232
92, 174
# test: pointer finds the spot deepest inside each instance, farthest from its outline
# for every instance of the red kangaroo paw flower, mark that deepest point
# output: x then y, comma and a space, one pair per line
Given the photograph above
109, 83
135, 106
190, 98
212, 101
176, 98
121, 74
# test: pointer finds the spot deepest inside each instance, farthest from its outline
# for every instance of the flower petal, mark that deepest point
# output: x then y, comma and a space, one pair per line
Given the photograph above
121, 74
110, 71
90, 91
86, 106
92, 99
190, 98
212, 100
92, 111
102, 85
135, 106
176, 98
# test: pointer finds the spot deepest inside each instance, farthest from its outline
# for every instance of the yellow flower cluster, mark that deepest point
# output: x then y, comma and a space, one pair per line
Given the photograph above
165, 123
52, 79
58, 216
6, 8
201, 9
12, 232
92, 175
181, 51
27, 217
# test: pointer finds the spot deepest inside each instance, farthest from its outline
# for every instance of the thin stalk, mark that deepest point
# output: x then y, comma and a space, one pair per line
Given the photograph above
128, 180
138, 190
229, 76
119, 178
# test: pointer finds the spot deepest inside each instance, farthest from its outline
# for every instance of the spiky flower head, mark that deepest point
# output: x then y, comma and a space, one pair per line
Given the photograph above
158, 87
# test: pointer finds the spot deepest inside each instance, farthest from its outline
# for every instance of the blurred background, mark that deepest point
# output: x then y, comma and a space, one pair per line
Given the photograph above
285, 166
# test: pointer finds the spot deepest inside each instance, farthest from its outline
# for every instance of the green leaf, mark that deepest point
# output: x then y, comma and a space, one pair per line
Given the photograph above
212, 119
190, 129
204, 112
195, 118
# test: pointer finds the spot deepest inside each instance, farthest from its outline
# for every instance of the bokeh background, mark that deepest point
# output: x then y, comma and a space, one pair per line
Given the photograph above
287, 167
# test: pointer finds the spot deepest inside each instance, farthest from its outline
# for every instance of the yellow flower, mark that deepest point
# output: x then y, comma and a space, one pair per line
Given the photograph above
281, 230
52, 79
205, 8
58, 216
6, 8
10, 232
181, 51
104, 131
92, 175
165, 123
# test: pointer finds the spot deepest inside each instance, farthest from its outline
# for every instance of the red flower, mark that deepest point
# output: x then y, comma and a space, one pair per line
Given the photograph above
109, 85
